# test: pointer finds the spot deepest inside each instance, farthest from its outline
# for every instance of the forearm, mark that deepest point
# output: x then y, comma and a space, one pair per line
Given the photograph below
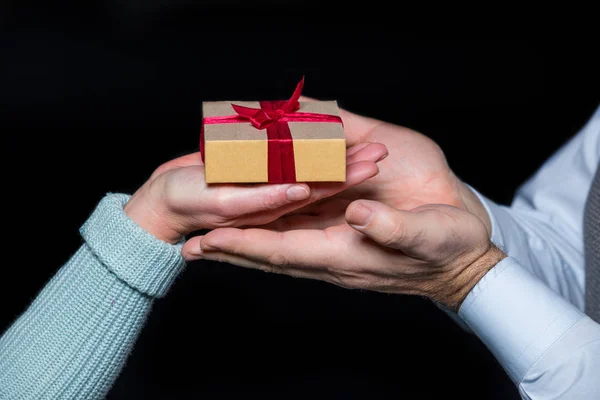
73, 340
75, 337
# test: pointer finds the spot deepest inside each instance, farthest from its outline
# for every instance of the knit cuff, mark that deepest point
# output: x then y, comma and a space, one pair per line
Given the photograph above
129, 251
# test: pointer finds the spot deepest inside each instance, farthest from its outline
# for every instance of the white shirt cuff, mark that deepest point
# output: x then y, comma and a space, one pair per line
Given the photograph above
516, 316
497, 215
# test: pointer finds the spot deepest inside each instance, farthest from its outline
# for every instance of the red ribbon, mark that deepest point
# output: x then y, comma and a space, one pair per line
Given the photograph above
274, 117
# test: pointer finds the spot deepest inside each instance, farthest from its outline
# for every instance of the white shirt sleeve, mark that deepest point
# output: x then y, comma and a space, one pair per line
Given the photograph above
543, 228
548, 347
528, 309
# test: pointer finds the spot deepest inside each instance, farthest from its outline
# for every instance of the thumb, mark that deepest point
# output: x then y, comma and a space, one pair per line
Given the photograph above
407, 231
191, 249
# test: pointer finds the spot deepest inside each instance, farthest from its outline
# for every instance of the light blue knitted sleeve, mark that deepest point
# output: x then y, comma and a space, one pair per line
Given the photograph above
73, 340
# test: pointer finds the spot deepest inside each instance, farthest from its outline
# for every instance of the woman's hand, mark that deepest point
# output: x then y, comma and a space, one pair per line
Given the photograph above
176, 200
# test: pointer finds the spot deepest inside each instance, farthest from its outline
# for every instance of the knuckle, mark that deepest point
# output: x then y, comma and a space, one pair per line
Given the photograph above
168, 192
273, 269
349, 279
220, 258
265, 267
294, 273
165, 187
221, 213
159, 171
417, 239
270, 201
278, 259
218, 221
338, 280
220, 206
360, 282
397, 235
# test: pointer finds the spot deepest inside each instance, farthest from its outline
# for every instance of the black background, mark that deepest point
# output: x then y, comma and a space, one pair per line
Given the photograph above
93, 98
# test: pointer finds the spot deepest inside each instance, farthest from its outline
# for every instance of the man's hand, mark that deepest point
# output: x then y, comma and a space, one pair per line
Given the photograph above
415, 173
176, 200
422, 230
436, 251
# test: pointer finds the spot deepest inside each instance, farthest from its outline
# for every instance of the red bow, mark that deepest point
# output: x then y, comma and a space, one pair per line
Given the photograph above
262, 118
274, 117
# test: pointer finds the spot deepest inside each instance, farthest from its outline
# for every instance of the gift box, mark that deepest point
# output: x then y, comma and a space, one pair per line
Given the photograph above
278, 141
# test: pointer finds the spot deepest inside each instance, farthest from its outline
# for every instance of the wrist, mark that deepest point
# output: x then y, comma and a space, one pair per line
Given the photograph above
151, 214
467, 276
474, 206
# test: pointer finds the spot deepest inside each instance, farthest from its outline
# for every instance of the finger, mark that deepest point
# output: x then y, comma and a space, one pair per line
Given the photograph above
188, 159
237, 200
356, 127
402, 230
300, 248
191, 250
180, 162
366, 152
375, 152
296, 222
288, 271
246, 205
327, 206
353, 149
335, 205
356, 173
319, 215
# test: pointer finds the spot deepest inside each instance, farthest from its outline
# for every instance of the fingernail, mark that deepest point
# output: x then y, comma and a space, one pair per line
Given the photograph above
360, 216
296, 193
205, 247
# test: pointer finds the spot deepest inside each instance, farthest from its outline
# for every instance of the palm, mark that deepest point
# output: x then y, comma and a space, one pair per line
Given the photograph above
415, 172
193, 205
188, 186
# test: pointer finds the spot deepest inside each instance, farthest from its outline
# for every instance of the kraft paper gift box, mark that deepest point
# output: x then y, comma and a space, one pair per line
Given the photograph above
273, 141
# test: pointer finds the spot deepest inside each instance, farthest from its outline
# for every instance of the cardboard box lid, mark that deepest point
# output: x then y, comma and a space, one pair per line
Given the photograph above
245, 131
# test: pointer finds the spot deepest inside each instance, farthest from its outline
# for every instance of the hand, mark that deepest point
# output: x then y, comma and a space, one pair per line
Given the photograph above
436, 251
176, 200
414, 174
441, 231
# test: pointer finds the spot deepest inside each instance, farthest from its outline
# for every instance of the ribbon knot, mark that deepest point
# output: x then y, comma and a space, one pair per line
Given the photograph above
262, 118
